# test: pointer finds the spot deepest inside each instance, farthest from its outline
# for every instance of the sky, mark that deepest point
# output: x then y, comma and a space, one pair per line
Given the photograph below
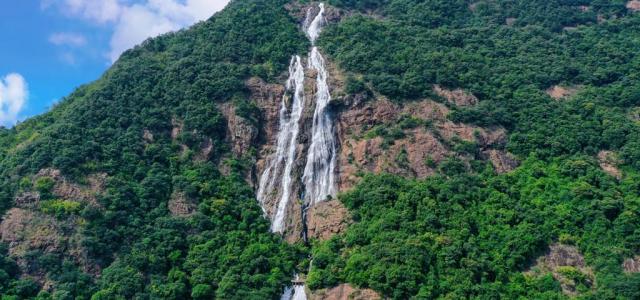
50, 47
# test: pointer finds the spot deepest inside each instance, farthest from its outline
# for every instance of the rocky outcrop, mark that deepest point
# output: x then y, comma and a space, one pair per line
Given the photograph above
344, 292
69, 190
608, 162
457, 97
415, 148
567, 265
503, 162
25, 229
299, 11
559, 92
27, 199
177, 127
631, 265
633, 5
327, 219
268, 98
180, 206
147, 136
241, 134
28, 230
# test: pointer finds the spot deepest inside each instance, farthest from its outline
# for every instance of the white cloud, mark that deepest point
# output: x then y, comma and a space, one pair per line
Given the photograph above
141, 21
100, 11
136, 21
67, 39
13, 97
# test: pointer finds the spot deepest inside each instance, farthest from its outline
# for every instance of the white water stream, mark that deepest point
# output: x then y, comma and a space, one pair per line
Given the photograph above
294, 293
318, 177
286, 146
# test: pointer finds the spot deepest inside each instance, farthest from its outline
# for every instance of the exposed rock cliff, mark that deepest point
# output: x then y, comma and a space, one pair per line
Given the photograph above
631, 265
567, 265
344, 292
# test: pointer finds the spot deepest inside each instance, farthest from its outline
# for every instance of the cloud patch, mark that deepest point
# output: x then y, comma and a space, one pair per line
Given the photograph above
135, 21
98, 11
67, 39
13, 97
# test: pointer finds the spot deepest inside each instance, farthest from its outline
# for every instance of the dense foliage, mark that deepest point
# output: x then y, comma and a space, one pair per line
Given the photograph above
225, 249
472, 234
466, 235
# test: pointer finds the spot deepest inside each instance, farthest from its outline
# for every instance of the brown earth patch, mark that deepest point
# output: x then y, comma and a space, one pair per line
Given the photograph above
177, 127
344, 292
24, 229
147, 136
27, 199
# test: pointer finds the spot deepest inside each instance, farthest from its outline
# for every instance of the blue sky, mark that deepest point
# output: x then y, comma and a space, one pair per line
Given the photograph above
49, 47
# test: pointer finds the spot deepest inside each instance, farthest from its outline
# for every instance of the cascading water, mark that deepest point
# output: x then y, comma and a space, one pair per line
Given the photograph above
285, 147
318, 176
294, 293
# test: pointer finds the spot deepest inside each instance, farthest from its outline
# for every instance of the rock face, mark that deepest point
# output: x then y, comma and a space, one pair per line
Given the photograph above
241, 133
373, 134
413, 150
417, 137
561, 92
327, 219
633, 5
344, 292
180, 206
631, 265
566, 264
299, 12
608, 162
68, 190
457, 97
502, 161
26, 231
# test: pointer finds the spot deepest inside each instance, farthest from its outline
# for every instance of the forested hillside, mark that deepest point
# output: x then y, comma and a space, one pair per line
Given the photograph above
131, 187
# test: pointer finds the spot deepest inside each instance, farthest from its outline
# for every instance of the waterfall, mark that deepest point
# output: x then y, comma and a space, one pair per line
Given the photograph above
285, 146
318, 176
296, 292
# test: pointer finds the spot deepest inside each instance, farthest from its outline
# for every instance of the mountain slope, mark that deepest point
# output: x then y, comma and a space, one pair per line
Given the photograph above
509, 129
149, 128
